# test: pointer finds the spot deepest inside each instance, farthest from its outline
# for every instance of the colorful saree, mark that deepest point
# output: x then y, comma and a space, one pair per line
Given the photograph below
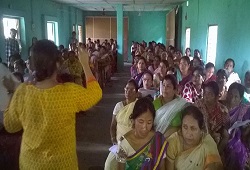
197, 158
149, 156
168, 114
236, 153
240, 113
215, 118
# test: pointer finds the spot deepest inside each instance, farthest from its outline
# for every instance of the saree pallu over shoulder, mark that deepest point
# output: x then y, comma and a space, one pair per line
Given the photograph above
149, 157
123, 122
166, 113
200, 157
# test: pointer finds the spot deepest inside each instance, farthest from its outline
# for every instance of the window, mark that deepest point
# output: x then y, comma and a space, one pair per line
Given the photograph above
52, 31
212, 43
79, 33
9, 23
187, 38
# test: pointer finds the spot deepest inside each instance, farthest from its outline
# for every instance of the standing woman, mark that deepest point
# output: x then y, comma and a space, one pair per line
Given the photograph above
46, 111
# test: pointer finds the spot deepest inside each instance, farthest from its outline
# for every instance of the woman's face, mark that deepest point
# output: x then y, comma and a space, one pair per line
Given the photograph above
130, 91
184, 66
141, 65
168, 90
147, 81
188, 52
163, 68
164, 56
156, 62
209, 96
229, 66
191, 131
233, 97
209, 72
197, 78
144, 124
170, 61
18, 68
196, 62
221, 79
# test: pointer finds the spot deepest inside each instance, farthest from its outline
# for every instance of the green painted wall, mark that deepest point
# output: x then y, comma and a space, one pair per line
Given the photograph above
232, 18
34, 14
148, 26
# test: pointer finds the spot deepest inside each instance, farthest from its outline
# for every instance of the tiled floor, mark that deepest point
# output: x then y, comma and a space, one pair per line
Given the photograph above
92, 128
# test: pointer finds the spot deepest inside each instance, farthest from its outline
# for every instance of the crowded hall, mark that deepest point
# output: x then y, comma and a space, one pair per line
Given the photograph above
124, 85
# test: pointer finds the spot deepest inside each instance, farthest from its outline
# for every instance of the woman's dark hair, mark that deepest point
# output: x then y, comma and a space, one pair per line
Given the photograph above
159, 58
187, 59
197, 58
19, 76
21, 63
209, 65
200, 69
247, 73
132, 81
223, 72
214, 87
172, 79
188, 49
148, 72
230, 59
237, 86
43, 60
141, 106
195, 113
165, 62
142, 58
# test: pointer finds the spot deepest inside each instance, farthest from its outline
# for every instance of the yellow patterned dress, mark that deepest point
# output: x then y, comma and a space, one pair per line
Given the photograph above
47, 117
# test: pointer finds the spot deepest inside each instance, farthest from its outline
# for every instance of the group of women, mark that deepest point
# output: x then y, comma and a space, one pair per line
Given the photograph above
181, 117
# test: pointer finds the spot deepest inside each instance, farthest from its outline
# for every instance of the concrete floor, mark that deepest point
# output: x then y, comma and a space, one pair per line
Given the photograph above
92, 128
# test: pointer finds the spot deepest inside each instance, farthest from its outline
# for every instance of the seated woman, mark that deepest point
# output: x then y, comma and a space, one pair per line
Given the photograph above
188, 52
193, 90
147, 89
154, 67
236, 155
234, 96
232, 76
73, 67
121, 124
209, 71
215, 114
247, 87
133, 68
168, 107
142, 68
196, 62
192, 148
184, 73
142, 147
159, 76
221, 79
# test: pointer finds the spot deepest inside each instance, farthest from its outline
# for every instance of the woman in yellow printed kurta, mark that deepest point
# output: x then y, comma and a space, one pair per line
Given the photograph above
46, 113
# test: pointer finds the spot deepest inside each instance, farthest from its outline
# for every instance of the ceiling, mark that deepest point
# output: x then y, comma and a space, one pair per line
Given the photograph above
128, 5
